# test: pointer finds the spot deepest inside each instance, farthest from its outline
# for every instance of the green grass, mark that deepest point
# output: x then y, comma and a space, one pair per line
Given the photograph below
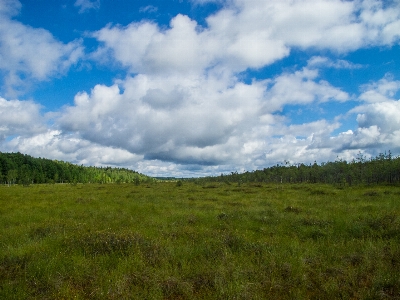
217, 241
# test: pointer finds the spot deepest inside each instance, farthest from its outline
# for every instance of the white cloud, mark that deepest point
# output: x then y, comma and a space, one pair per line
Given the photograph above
377, 117
53, 144
178, 119
128, 44
378, 130
382, 23
185, 48
20, 45
185, 126
301, 87
384, 115
383, 90
86, 5
188, 106
9, 7
250, 34
19, 49
19, 118
320, 24
148, 9
306, 142
321, 61
198, 120
324, 24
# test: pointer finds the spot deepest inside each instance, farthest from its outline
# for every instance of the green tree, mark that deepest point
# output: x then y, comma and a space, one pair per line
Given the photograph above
12, 176
56, 177
25, 176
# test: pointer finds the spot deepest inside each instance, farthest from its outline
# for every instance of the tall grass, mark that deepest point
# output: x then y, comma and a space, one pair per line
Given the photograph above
187, 241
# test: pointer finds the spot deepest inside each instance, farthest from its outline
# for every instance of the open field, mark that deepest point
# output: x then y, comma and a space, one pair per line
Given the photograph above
212, 241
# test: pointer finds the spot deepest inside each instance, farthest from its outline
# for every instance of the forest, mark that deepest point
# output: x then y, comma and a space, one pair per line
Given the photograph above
18, 168
382, 169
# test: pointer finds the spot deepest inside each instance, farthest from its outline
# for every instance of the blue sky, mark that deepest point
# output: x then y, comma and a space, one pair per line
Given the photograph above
199, 87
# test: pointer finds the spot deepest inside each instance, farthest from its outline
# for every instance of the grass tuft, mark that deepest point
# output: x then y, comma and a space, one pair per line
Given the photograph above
371, 193
293, 209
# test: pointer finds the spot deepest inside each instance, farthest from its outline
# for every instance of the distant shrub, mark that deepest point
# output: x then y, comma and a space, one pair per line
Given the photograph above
222, 216
319, 192
210, 186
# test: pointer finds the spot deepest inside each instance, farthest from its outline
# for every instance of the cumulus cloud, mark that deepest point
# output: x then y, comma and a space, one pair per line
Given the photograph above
377, 119
307, 142
19, 118
185, 78
186, 48
198, 120
378, 129
30, 54
304, 24
250, 34
383, 90
301, 87
381, 20
155, 126
54, 144
384, 115
176, 119
337, 25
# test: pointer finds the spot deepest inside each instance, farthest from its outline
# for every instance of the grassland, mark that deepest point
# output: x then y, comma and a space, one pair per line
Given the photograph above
214, 241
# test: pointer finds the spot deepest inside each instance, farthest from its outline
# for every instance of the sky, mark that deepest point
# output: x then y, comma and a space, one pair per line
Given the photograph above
190, 88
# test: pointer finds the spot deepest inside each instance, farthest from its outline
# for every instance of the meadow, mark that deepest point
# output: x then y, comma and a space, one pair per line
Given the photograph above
165, 240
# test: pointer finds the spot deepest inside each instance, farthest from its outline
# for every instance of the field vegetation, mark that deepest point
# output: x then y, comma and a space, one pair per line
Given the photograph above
199, 240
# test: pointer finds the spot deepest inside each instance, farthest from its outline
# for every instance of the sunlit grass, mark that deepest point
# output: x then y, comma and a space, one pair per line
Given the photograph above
217, 241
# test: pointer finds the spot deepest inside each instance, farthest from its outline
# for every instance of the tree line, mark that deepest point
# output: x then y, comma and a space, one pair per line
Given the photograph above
18, 168
382, 169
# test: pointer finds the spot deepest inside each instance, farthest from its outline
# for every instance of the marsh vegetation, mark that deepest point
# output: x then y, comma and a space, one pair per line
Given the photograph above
199, 241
